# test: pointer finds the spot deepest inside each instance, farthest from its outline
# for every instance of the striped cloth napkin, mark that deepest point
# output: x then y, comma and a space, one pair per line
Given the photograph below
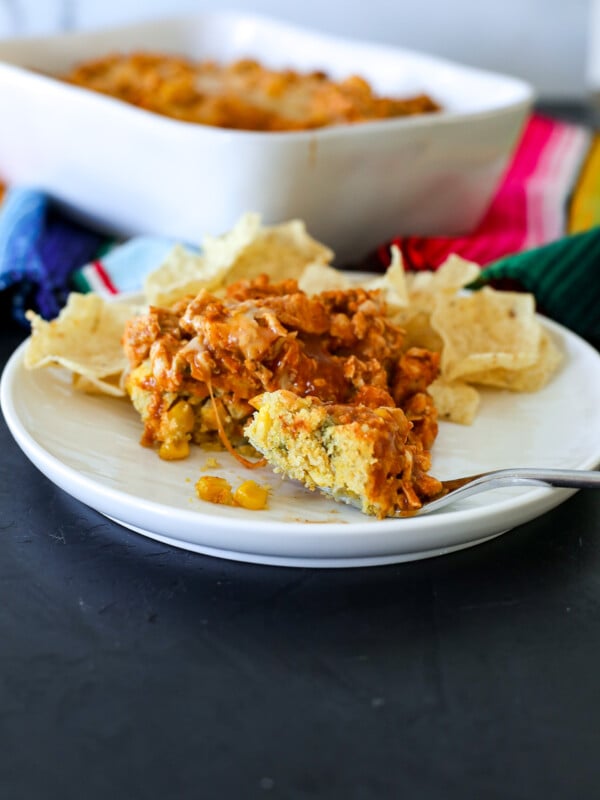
542, 230
552, 188
540, 233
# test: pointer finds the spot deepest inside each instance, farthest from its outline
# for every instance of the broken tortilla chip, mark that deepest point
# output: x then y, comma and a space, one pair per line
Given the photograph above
317, 278
526, 379
486, 330
455, 401
247, 251
425, 287
183, 273
392, 284
85, 339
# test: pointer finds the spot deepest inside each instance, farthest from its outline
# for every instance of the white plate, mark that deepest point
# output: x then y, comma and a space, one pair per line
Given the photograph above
355, 186
89, 447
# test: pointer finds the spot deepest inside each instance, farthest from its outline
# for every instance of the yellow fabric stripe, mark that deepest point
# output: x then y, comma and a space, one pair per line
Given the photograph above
584, 212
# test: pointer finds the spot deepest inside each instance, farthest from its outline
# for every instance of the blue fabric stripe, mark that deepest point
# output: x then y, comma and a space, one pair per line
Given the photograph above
39, 251
21, 225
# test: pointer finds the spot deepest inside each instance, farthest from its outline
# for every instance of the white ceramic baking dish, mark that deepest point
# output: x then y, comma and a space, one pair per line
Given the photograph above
131, 171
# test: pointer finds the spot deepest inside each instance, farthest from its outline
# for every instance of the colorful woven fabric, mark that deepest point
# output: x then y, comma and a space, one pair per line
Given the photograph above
40, 249
123, 268
549, 190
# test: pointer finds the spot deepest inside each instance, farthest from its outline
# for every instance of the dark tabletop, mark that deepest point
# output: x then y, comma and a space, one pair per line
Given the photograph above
129, 669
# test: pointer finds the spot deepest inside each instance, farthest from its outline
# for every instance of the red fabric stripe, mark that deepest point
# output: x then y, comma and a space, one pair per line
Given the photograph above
508, 223
104, 277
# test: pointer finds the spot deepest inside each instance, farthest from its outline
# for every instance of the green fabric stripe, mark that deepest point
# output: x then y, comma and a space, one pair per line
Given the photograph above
564, 276
586, 303
80, 282
571, 263
106, 247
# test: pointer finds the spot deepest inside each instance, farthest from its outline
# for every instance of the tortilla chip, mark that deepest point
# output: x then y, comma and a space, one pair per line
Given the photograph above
248, 250
280, 251
418, 330
526, 379
392, 283
182, 273
85, 338
454, 274
455, 401
317, 278
486, 330
112, 385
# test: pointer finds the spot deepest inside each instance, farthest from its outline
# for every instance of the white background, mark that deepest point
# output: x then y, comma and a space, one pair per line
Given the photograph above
544, 41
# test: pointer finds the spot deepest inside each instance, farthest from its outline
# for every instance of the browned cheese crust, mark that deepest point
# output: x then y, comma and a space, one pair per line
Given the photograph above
242, 94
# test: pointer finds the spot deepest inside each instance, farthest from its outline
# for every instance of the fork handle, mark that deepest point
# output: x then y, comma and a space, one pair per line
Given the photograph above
567, 478
519, 476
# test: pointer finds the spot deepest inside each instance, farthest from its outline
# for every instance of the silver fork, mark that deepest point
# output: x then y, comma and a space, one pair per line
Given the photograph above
459, 488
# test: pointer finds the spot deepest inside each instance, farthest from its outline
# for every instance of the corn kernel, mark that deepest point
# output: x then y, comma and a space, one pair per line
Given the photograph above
181, 417
251, 496
214, 490
174, 449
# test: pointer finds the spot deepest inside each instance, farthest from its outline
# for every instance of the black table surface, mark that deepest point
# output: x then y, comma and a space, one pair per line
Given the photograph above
130, 669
